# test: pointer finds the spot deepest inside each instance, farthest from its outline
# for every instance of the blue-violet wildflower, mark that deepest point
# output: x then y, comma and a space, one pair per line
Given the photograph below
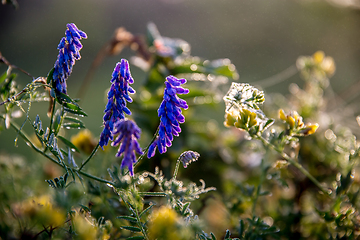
128, 132
170, 115
118, 95
69, 51
188, 157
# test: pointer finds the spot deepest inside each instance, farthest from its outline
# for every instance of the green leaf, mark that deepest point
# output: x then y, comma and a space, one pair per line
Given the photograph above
50, 75
63, 98
73, 125
185, 207
268, 123
85, 208
212, 236
135, 238
128, 218
146, 209
3, 77
241, 228
227, 234
75, 120
68, 143
51, 183
71, 108
131, 228
57, 122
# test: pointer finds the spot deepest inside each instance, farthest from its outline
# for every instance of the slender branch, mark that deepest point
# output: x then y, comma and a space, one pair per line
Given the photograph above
277, 78
146, 149
93, 177
294, 163
176, 168
29, 143
91, 155
3, 59
153, 194
51, 119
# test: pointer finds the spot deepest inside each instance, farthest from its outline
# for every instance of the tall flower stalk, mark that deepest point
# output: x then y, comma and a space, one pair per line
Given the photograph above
69, 51
170, 115
118, 95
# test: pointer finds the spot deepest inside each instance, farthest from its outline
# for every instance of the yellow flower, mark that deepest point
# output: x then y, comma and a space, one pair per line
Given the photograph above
282, 115
163, 224
231, 118
84, 141
42, 210
85, 230
318, 57
328, 66
310, 129
291, 121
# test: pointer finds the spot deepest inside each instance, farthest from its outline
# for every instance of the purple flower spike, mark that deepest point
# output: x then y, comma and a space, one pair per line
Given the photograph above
69, 51
170, 115
118, 95
128, 132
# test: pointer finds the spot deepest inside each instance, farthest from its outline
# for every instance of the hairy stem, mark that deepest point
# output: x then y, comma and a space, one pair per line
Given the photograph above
294, 163
176, 168
91, 155
29, 143
135, 212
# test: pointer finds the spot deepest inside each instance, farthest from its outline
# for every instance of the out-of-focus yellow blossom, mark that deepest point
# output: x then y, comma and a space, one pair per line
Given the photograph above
85, 229
280, 164
310, 129
296, 124
317, 67
41, 210
293, 119
282, 115
318, 57
163, 224
325, 64
84, 141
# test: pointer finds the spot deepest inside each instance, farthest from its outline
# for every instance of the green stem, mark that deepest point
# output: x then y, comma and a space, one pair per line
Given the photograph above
91, 155
153, 194
176, 168
135, 212
147, 148
52, 118
94, 177
29, 143
294, 163
51, 123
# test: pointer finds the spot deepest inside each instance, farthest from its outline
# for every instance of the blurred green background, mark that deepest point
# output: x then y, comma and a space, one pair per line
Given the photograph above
262, 38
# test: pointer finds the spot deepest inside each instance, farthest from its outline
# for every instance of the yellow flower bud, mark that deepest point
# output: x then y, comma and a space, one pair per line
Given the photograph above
252, 121
310, 129
230, 118
291, 121
318, 57
282, 115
